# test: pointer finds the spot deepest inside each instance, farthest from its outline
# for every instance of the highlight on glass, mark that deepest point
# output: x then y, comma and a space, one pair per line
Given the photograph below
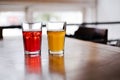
32, 35
56, 37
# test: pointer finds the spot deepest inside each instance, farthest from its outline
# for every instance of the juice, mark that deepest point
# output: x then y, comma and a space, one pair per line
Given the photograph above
56, 40
32, 40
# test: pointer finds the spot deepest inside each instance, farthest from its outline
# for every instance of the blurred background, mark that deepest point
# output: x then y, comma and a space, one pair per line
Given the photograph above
74, 12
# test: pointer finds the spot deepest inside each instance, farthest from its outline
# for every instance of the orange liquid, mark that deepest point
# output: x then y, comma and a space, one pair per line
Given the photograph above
56, 40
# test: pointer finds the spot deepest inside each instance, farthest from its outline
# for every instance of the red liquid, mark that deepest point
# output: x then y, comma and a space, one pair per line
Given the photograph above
32, 40
33, 63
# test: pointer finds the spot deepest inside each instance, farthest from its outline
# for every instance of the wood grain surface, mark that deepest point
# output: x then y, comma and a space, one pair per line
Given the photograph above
81, 61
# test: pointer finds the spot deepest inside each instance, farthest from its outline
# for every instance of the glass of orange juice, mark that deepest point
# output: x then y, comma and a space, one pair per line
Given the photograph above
56, 37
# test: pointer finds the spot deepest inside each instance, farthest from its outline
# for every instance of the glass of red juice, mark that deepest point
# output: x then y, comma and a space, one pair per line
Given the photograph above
32, 35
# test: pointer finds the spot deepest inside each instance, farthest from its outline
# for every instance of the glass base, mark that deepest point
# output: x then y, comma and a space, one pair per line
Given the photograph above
35, 52
60, 53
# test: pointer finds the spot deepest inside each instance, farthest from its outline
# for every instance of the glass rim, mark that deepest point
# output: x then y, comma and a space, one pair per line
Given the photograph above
64, 23
60, 28
26, 26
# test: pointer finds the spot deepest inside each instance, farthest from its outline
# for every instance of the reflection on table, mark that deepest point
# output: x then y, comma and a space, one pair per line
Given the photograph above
57, 67
33, 67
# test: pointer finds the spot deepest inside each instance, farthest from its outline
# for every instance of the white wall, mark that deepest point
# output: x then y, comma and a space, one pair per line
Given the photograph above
89, 14
109, 10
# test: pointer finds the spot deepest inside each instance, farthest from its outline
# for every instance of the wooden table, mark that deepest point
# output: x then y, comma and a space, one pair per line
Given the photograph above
81, 61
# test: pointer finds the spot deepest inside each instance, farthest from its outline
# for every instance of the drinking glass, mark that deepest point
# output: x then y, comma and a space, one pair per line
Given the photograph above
56, 37
32, 33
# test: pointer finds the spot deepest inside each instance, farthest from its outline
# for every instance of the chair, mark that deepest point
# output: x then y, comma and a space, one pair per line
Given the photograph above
114, 42
92, 34
1, 35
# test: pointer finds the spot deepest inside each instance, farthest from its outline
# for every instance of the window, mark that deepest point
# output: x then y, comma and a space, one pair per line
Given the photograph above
71, 17
11, 18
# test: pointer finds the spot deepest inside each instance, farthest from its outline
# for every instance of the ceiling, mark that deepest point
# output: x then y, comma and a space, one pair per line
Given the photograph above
45, 1
45, 4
